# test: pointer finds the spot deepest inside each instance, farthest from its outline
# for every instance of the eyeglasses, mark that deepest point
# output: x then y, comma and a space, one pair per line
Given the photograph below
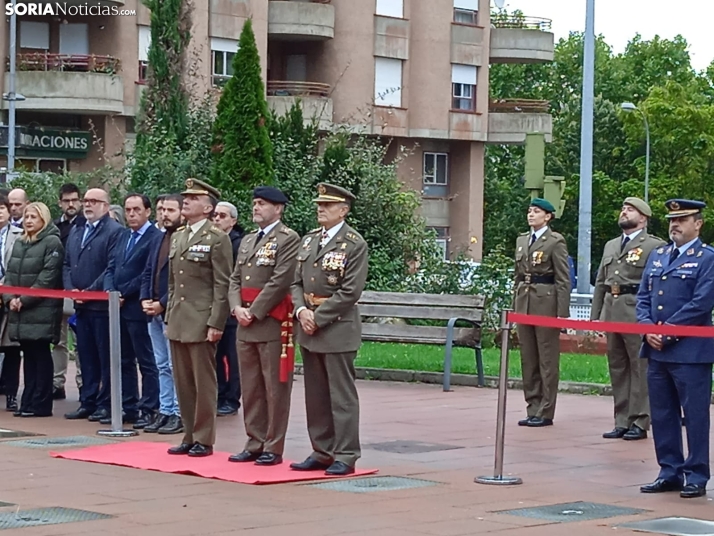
93, 202
221, 216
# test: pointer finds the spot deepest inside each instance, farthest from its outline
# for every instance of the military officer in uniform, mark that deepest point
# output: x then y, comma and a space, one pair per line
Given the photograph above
678, 289
200, 265
614, 299
260, 299
542, 288
329, 279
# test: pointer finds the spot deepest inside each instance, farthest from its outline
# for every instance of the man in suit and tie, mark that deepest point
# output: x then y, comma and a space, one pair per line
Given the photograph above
124, 274
678, 289
18, 201
89, 248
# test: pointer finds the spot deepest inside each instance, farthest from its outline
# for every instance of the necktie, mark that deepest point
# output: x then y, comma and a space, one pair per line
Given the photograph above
625, 241
533, 239
89, 229
261, 234
132, 241
673, 256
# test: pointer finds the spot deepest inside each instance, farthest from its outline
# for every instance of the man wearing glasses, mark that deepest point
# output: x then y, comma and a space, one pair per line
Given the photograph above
89, 248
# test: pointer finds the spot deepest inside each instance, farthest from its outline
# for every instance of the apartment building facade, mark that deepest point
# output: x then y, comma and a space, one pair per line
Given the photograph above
413, 71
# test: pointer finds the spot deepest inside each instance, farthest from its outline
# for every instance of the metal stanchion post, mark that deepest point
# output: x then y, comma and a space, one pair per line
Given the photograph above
498, 478
115, 364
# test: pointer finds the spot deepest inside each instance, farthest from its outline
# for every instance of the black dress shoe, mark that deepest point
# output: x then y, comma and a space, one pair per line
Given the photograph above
537, 422
173, 426
310, 464
245, 456
339, 469
617, 433
125, 419
81, 413
183, 448
59, 394
99, 415
200, 451
690, 491
661, 486
11, 404
159, 422
18, 413
524, 422
145, 419
225, 410
635, 433
268, 458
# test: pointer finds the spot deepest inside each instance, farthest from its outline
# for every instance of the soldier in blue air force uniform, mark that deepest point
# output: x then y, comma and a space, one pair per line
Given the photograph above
678, 289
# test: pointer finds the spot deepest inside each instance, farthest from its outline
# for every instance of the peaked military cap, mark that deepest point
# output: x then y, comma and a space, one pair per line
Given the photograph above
543, 204
198, 187
270, 194
642, 207
683, 207
329, 193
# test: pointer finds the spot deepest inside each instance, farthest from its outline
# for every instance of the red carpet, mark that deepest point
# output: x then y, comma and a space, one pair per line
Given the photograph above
153, 457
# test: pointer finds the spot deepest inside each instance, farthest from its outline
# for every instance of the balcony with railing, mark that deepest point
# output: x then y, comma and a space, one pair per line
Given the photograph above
296, 20
71, 83
519, 39
509, 120
314, 99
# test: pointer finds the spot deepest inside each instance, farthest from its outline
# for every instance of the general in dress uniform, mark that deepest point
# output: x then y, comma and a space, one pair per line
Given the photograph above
614, 300
200, 265
329, 279
260, 299
678, 289
543, 289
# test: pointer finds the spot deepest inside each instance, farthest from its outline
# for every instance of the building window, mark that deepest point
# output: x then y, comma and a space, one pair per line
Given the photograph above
466, 12
390, 8
463, 87
223, 51
41, 165
442, 239
436, 174
144, 44
387, 82
35, 35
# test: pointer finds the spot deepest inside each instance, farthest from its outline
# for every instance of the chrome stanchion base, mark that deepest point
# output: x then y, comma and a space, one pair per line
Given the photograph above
117, 433
498, 480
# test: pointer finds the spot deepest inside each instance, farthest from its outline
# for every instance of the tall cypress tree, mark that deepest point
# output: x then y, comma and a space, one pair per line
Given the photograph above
243, 153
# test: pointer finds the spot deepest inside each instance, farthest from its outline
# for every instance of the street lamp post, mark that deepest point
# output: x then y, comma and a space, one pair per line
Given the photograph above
629, 107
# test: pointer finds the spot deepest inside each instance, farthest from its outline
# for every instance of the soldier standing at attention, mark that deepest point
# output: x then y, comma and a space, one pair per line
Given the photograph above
614, 300
543, 289
678, 289
260, 299
200, 265
329, 280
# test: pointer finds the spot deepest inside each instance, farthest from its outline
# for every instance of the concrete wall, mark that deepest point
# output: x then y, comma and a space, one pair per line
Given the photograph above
512, 127
516, 45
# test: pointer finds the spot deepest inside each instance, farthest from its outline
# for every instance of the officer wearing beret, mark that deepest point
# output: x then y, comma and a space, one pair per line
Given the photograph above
543, 289
259, 297
678, 289
329, 280
614, 299
200, 264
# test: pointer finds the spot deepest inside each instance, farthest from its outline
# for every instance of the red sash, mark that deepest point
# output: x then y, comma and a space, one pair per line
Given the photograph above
283, 313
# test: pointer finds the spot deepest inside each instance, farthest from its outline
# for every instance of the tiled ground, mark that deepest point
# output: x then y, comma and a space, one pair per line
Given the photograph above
565, 463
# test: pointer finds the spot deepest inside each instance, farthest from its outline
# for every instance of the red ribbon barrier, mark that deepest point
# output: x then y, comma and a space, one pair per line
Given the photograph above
611, 327
50, 293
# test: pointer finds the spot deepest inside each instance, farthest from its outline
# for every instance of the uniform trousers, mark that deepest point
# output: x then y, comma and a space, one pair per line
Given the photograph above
540, 362
628, 373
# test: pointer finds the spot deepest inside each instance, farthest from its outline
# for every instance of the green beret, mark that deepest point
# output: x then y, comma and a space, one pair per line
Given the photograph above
543, 204
642, 207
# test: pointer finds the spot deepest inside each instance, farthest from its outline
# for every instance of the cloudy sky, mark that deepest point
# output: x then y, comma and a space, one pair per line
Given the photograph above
619, 20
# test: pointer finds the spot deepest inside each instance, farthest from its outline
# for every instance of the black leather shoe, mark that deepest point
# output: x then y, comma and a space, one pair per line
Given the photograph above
145, 419
225, 410
183, 448
268, 458
525, 421
245, 456
310, 464
690, 491
81, 413
617, 433
98, 415
661, 486
125, 419
200, 451
173, 426
59, 394
11, 404
159, 422
635, 433
339, 469
537, 422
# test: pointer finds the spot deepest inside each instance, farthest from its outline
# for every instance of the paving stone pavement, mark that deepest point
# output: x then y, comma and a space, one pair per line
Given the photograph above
400, 424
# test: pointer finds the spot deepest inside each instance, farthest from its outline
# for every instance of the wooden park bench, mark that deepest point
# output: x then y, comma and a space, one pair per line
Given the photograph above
444, 307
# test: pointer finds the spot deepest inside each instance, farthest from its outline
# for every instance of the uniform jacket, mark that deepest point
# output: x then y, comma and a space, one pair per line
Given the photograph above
85, 267
270, 266
621, 268
679, 294
154, 264
199, 273
124, 272
337, 272
13, 233
548, 256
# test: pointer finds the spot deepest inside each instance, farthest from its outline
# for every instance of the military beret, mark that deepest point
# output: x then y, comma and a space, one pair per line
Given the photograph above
642, 207
270, 194
198, 187
329, 193
683, 207
543, 204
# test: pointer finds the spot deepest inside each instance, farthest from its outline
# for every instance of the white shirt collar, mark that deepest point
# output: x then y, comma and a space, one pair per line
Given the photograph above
197, 226
683, 248
540, 232
633, 235
270, 227
332, 232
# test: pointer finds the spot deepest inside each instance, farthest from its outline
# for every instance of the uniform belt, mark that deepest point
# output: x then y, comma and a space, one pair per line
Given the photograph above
315, 301
530, 279
616, 289
247, 304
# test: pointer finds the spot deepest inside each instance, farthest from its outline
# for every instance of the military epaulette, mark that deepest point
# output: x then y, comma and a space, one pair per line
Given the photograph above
353, 237
525, 234
181, 228
284, 229
217, 230
557, 235
318, 230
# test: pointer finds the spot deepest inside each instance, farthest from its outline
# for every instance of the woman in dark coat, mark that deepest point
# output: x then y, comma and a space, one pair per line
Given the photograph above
36, 262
